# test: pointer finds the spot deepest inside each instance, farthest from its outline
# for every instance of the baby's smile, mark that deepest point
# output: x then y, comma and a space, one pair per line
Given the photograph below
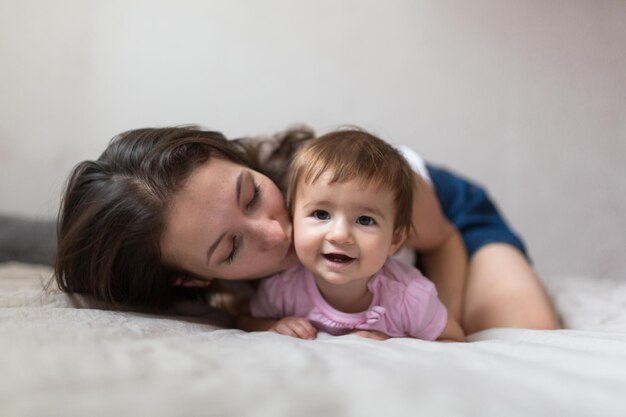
338, 258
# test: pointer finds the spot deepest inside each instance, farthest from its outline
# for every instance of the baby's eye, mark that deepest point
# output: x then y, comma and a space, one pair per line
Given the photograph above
365, 221
321, 215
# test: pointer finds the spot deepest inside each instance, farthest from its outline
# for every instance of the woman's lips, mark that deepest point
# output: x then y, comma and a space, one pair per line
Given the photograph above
290, 251
290, 259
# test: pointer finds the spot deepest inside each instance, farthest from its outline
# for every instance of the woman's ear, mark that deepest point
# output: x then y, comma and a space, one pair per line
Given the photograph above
187, 282
397, 240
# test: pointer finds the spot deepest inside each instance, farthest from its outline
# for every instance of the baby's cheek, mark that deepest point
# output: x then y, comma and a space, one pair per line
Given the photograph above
303, 245
372, 255
306, 247
303, 234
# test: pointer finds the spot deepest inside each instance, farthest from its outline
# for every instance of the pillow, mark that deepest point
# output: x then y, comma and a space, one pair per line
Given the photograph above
27, 240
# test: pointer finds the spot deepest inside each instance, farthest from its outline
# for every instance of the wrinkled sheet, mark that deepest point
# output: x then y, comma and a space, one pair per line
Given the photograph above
60, 360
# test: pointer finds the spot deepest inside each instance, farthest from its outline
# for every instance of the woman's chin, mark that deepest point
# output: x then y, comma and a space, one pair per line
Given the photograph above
280, 264
291, 259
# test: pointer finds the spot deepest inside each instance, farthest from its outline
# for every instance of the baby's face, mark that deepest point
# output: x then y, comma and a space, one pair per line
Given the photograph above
343, 231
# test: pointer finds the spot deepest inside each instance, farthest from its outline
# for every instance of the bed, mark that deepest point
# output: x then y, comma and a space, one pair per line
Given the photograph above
65, 356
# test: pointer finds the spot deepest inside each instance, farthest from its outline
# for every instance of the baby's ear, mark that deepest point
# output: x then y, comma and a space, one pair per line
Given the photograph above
187, 282
397, 240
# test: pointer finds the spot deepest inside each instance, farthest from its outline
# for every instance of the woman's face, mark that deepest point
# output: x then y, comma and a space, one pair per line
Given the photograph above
228, 222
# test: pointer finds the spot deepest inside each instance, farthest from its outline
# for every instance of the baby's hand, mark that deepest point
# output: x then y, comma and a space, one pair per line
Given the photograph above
295, 327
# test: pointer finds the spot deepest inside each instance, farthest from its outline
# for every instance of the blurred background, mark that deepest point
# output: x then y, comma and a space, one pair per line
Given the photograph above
525, 97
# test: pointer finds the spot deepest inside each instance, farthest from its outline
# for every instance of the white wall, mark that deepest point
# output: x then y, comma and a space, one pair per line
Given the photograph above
528, 97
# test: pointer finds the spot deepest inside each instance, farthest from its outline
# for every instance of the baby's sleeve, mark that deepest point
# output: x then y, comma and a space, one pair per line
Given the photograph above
425, 316
268, 301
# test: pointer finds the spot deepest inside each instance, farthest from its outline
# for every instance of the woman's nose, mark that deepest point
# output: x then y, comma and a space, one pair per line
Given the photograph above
270, 233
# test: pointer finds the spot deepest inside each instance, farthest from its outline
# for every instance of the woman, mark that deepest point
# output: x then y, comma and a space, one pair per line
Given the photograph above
177, 207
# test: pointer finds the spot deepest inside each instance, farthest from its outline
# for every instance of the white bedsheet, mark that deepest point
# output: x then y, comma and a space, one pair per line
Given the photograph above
58, 360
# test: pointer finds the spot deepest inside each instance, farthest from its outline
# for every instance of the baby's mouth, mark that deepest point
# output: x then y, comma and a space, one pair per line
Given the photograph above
337, 258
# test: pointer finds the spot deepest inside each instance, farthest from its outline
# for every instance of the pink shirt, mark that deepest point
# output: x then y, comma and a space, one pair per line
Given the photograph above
405, 303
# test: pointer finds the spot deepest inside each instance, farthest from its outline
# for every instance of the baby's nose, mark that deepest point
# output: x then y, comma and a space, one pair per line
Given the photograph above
340, 232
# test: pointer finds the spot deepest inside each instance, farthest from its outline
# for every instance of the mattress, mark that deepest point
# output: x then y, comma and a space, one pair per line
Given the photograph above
63, 356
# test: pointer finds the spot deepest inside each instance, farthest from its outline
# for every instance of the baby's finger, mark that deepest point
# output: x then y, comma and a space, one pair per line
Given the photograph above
304, 329
282, 328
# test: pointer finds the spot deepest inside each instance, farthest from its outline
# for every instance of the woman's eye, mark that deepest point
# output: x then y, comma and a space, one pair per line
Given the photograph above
321, 215
233, 251
256, 196
365, 221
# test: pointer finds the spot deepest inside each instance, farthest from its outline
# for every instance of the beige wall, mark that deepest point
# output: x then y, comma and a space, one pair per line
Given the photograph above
528, 97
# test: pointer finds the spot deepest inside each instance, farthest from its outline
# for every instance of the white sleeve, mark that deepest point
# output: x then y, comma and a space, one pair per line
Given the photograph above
407, 254
416, 162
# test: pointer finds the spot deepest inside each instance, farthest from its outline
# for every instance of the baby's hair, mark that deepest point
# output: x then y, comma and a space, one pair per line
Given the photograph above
354, 154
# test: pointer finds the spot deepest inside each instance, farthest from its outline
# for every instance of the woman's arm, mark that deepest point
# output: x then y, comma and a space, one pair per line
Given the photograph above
452, 332
442, 252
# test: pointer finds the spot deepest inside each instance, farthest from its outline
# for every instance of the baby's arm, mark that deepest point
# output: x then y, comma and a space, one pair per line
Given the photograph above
290, 326
271, 300
424, 314
452, 332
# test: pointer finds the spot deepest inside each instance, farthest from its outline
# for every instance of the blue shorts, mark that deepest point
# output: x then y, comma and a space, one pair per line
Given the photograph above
470, 209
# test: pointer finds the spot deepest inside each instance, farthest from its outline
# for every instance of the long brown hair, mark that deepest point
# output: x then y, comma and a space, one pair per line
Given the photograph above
112, 212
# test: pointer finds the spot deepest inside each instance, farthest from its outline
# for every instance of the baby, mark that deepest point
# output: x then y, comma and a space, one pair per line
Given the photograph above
351, 198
